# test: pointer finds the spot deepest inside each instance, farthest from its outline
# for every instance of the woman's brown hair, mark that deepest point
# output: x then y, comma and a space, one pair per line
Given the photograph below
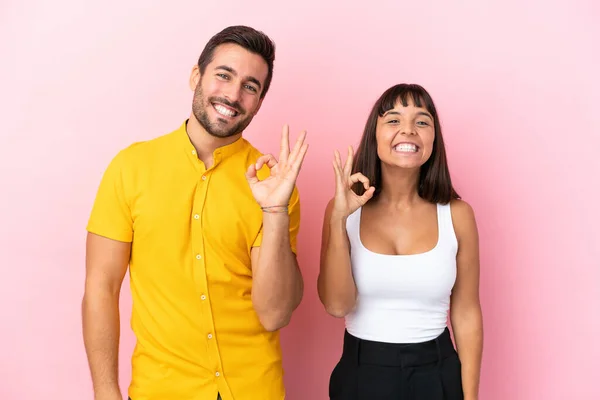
435, 184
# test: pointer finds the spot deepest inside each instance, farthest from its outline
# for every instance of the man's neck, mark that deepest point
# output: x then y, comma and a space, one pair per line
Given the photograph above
205, 143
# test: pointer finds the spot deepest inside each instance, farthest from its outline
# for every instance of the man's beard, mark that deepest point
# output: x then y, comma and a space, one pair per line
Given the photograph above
220, 128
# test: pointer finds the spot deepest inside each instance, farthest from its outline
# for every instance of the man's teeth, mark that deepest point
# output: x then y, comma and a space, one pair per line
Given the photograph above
225, 111
411, 148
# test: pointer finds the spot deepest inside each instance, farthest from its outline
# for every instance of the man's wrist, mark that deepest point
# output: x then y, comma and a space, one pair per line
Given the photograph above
275, 209
276, 218
278, 223
107, 388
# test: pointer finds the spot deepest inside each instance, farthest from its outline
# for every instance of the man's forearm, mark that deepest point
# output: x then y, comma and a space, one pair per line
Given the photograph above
277, 283
101, 330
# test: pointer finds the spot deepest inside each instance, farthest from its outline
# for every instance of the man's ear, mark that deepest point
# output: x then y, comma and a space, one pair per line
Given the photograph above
195, 77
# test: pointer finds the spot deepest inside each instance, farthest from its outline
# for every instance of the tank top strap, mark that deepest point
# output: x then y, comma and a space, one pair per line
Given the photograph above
445, 225
353, 227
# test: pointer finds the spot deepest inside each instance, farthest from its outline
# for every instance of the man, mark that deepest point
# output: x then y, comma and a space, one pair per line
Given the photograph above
207, 226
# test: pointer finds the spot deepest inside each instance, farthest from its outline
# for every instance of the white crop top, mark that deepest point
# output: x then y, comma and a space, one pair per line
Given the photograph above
402, 298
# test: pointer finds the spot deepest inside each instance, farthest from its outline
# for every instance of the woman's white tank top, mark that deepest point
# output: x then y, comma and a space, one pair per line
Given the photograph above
402, 298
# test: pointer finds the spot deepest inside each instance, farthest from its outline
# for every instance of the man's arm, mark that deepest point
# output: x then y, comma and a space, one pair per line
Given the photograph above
277, 284
106, 265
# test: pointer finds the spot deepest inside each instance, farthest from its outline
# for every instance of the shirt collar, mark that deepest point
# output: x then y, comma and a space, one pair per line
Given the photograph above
219, 154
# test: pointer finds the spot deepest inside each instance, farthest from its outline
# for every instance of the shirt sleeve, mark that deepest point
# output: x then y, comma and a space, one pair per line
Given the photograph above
111, 214
294, 213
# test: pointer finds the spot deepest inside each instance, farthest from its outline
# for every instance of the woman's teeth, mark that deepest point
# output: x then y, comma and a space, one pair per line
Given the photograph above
406, 147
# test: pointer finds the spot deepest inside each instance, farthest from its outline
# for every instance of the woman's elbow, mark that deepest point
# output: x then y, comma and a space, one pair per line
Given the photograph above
338, 304
468, 317
336, 311
337, 308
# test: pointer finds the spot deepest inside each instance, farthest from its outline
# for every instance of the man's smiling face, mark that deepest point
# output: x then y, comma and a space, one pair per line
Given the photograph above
228, 93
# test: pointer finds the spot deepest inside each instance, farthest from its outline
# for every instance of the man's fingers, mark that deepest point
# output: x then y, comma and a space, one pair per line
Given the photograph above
297, 147
285, 144
299, 159
266, 159
251, 174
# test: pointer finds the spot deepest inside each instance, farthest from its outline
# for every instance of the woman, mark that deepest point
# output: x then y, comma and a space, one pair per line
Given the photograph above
398, 248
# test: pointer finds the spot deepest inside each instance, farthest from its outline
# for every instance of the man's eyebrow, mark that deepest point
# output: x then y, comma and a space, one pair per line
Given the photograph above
254, 80
227, 68
234, 73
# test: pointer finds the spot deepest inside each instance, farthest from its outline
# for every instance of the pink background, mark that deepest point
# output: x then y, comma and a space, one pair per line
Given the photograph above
517, 87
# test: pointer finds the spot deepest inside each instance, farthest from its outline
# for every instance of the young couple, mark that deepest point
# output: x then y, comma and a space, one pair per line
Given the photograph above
207, 226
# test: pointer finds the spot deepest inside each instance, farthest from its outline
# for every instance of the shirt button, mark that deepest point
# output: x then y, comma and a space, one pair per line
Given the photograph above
217, 373
210, 335
203, 297
203, 177
194, 152
196, 216
198, 256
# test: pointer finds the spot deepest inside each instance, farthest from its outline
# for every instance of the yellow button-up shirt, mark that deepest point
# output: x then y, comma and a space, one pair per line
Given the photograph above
192, 230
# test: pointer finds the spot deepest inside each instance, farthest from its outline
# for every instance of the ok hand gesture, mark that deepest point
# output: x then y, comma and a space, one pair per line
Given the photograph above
276, 190
346, 201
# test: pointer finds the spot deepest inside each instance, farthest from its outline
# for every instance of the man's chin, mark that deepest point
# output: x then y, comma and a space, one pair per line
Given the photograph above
222, 133
221, 127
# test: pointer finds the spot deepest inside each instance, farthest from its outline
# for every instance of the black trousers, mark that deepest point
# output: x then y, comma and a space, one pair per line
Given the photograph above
371, 370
